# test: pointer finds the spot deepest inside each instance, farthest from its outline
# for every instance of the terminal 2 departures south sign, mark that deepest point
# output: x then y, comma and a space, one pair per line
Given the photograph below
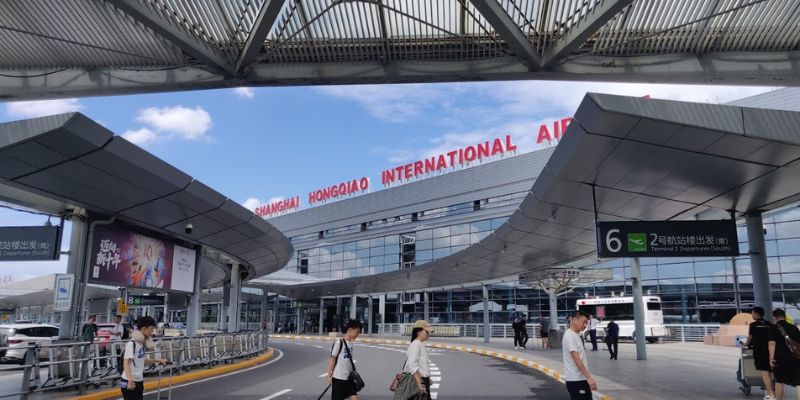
667, 239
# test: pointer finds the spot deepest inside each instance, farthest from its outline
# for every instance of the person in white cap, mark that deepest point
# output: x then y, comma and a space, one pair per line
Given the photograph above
417, 361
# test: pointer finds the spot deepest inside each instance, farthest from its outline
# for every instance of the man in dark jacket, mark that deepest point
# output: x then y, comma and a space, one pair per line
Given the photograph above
785, 365
612, 338
758, 340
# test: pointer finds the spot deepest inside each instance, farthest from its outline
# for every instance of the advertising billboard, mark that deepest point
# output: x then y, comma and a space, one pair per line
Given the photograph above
123, 258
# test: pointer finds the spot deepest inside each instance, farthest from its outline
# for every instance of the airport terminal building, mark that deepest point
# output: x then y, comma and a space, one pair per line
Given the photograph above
423, 220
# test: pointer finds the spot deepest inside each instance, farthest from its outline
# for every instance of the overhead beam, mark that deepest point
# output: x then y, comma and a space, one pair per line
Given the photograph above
581, 31
508, 31
171, 31
263, 24
723, 68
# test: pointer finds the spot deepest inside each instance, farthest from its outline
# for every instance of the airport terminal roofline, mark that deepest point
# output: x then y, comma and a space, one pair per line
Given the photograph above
68, 161
647, 159
84, 48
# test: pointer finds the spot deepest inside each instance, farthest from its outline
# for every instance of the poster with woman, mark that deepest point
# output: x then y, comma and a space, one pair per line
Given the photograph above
120, 257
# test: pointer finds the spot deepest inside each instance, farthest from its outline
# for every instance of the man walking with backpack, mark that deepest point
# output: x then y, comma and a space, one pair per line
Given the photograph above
131, 382
341, 365
784, 353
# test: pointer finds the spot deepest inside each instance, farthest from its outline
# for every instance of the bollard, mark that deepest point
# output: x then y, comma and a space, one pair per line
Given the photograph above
84, 369
26, 374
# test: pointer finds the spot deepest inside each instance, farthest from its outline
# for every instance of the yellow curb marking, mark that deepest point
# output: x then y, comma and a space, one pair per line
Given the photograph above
190, 376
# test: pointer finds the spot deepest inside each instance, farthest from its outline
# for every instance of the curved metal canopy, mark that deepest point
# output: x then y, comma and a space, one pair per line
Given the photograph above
646, 159
72, 161
73, 48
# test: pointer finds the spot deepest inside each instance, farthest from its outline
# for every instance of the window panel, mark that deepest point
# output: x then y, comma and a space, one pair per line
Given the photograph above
480, 226
441, 253
376, 251
374, 261
362, 244
391, 249
680, 270
349, 246
789, 247
460, 229
337, 248
790, 264
441, 243
349, 263
459, 240
441, 232
424, 244
391, 259
424, 234
376, 242
392, 239
712, 268
477, 237
456, 249
498, 222
362, 253
424, 255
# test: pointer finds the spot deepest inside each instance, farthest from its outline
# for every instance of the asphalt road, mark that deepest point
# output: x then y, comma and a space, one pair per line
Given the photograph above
297, 372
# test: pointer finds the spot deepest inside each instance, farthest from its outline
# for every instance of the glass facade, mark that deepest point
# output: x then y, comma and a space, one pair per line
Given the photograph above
692, 290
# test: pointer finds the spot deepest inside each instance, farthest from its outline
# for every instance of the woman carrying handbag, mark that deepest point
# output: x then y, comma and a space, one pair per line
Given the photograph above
417, 367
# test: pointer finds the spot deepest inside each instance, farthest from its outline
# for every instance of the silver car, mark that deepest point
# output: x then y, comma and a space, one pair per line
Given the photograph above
17, 336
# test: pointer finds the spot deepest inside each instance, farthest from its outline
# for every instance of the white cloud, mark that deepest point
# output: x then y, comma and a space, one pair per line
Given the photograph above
140, 137
245, 92
253, 202
395, 103
33, 109
178, 121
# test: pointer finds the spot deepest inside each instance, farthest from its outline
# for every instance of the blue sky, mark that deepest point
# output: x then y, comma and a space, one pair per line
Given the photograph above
259, 144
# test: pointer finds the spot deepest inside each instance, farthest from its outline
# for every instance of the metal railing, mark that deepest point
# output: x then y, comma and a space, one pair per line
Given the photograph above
79, 365
675, 332
689, 332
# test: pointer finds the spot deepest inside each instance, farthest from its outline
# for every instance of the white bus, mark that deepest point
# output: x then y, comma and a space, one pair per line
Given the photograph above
620, 309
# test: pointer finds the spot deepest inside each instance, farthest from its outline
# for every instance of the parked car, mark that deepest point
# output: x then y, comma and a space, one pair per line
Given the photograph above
17, 337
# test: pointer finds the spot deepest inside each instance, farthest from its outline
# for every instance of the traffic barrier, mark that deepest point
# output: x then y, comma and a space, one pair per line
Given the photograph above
83, 364
527, 363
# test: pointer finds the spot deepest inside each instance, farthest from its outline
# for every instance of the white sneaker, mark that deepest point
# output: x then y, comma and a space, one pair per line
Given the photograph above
768, 397
516, 348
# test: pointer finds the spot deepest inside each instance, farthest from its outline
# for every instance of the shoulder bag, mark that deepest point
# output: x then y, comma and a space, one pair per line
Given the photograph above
404, 386
358, 383
793, 345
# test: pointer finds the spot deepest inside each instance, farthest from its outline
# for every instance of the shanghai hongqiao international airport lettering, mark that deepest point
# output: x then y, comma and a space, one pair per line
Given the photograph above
460, 158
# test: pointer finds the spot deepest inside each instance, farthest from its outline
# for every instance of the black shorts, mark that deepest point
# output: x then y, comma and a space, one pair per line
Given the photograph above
579, 390
762, 362
543, 334
342, 390
136, 394
787, 372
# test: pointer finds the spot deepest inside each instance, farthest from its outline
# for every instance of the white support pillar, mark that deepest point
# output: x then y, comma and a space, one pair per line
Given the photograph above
77, 255
193, 313
353, 306
382, 313
233, 302
369, 315
426, 314
321, 316
166, 308
275, 314
109, 310
487, 331
264, 306
638, 310
762, 292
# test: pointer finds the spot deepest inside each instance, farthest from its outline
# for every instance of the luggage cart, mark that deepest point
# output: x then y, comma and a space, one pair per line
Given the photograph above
747, 375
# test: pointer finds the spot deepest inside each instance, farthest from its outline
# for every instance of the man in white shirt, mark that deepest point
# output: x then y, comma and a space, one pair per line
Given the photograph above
131, 382
576, 372
118, 329
340, 364
593, 323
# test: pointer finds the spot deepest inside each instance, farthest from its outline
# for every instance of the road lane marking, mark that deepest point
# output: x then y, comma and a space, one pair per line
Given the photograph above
323, 375
434, 386
319, 347
282, 392
436, 378
280, 355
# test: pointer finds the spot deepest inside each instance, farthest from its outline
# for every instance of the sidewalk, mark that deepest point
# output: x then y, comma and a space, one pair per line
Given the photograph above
673, 370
